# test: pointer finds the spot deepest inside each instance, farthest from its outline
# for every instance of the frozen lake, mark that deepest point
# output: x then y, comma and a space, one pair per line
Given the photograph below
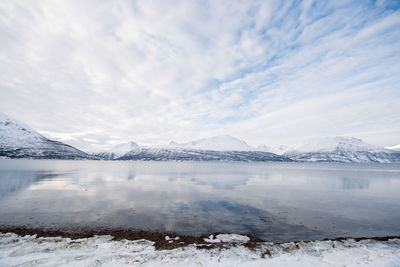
272, 201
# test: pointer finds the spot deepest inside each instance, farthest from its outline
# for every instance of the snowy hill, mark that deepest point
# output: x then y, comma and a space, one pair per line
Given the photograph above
117, 151
123, 148
184, 154
228, 148
395, 148
332, 143
19, 141
217, 148
341, 149
279, 150
216, 143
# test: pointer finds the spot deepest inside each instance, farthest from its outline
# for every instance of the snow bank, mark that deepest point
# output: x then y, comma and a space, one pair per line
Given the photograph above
102, 250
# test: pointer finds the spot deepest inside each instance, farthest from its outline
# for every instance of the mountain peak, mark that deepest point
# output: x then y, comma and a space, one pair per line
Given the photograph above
123, 148
173, 144
216, 143
335, 143
279, 150
133, 144
20, 141
16, 134
395, 147
8, 122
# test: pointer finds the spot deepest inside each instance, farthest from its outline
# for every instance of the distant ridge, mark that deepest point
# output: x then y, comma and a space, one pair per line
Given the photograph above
341, 149
227, 148
215, 143
19, 141
179, 154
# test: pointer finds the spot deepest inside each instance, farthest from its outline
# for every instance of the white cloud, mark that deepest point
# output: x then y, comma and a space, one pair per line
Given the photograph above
96, 73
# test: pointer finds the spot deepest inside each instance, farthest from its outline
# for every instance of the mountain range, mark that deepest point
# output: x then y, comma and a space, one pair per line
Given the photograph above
341, 149
19, 141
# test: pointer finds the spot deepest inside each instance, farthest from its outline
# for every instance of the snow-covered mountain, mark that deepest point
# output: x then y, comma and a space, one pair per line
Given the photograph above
228, 148
279, 150
217, 148
118, 150
185, 154
215, 143
395, 147
333, 143
19, 141
341, 149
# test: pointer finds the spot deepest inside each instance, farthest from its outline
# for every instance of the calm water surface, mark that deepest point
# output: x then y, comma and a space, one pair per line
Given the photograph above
273, 201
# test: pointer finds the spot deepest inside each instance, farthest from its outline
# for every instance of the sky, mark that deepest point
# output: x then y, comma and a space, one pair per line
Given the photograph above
96, 73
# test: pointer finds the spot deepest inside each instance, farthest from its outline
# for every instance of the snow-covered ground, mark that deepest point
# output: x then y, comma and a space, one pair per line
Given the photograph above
102, 250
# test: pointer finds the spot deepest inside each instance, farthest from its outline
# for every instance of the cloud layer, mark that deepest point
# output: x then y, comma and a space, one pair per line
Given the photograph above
96, 73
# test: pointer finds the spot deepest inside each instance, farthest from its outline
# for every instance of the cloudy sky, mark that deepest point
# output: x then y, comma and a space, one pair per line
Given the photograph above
97, 73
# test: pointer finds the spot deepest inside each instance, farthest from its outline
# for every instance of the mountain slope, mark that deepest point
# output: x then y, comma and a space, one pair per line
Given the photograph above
341, 149
279, 150
395, 147
19, 141
117, 151
178, 154
217, 148
215, 143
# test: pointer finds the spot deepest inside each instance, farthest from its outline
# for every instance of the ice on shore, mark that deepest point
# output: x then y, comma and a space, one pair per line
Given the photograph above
230, 238
102, 250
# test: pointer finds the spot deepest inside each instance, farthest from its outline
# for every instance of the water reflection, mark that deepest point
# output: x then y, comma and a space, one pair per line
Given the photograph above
354, 183
13, 181
131, 175
274, 201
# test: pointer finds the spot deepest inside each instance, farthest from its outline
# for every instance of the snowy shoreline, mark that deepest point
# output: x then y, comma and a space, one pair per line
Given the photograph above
164, 240
232, 251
